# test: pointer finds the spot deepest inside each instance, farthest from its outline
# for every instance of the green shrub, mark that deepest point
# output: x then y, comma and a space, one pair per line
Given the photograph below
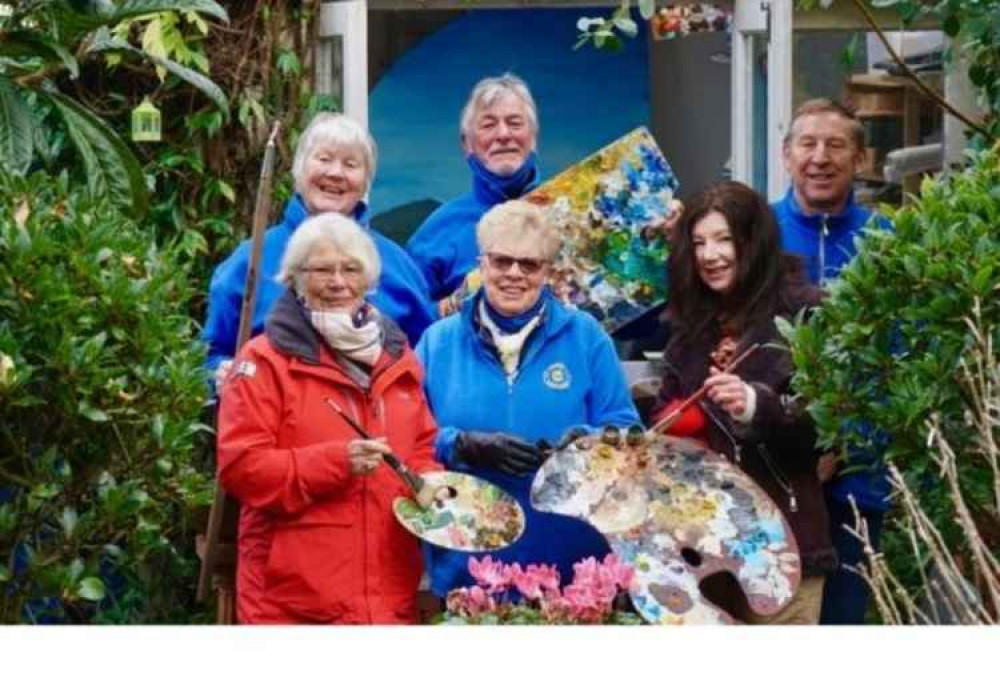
884, 350
101, 394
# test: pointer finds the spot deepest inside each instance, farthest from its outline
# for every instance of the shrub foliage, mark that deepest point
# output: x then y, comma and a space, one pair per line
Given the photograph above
101, 393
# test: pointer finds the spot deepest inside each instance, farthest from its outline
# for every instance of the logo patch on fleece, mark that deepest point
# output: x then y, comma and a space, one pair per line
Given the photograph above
557, 376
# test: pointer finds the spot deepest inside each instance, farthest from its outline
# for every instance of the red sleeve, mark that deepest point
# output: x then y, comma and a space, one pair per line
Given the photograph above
690, 424
252, 467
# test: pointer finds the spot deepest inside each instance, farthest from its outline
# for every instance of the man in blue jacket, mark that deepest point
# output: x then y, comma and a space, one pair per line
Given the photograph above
819, 220
499, 126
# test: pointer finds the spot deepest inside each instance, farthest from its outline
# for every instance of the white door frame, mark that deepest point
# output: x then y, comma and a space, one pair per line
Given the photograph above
753, 20
348, 20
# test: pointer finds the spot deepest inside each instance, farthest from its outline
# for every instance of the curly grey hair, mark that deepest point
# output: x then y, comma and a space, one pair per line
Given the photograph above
342, 233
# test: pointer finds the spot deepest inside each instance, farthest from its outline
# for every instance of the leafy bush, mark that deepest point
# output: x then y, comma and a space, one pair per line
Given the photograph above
101, 391
885, 350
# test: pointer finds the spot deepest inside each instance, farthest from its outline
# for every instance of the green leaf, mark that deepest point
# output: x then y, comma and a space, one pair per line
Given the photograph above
4, 574
627, 26
17, 130
90, 589
93, 414
647, 8
68, 521
27, 44
133, 8
111, 167
105, 41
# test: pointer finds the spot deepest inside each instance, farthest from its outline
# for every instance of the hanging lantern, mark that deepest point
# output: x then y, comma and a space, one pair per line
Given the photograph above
146, 123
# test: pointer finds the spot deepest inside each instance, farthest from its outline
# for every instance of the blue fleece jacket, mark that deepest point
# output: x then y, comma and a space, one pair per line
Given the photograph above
827, 243
401, 293
445, 247
569, 376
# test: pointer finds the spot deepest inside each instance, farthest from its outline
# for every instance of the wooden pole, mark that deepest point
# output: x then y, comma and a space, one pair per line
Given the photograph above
220, 535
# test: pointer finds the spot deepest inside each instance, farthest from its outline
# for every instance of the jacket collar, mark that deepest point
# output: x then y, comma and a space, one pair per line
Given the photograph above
289, 331
816, 220
296, 213
491, 189
555, 317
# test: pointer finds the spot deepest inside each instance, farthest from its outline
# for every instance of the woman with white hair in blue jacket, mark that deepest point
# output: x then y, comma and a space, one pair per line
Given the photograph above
513, 367
334, 167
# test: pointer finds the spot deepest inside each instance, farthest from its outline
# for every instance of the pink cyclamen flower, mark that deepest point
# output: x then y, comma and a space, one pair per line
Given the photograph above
479, 602
620, 573
493, 575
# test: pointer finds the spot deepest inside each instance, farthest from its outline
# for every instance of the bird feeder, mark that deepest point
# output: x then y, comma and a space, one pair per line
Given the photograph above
146, 123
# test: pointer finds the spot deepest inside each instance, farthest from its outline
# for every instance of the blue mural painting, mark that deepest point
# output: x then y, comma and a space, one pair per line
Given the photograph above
586, 98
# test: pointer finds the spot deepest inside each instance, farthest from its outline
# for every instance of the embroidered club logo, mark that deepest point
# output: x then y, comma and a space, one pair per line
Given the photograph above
557, 376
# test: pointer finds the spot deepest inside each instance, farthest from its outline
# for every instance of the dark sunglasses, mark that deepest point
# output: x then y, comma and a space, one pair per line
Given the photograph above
504, 263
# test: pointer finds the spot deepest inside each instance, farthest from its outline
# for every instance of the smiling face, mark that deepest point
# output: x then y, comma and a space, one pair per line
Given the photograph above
822, 157
714, 252
510, 288
332, 281
502, 136
334, 178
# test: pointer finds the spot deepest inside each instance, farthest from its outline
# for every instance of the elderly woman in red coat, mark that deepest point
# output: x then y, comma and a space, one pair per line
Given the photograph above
318, 542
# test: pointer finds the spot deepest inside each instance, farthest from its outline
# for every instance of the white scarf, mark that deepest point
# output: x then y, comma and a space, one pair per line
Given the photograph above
508, 345
357, 342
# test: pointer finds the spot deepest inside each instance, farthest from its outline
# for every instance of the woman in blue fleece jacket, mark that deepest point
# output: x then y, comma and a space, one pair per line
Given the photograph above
333, 169
514, 367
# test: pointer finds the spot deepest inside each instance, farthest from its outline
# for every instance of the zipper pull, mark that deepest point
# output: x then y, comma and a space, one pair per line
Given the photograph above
793, 504
736, 453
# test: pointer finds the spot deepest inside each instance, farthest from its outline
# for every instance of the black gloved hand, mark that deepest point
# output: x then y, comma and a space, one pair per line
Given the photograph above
498, 451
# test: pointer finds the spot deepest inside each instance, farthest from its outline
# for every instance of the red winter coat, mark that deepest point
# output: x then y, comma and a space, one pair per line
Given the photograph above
316, 543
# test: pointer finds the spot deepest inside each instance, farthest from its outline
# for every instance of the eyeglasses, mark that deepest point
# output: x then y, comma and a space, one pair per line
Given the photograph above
347, 271
503, 263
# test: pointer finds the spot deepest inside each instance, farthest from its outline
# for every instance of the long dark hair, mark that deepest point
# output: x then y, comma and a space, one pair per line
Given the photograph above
757, 294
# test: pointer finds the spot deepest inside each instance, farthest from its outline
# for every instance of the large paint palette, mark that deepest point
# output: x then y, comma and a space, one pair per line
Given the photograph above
609, 209
480, 516
677, 513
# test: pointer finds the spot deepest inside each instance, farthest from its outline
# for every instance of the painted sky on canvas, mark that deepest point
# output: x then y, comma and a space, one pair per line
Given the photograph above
586, 98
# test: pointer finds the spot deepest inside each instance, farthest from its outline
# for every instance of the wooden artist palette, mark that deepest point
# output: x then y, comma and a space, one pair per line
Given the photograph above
480, 516
692, 514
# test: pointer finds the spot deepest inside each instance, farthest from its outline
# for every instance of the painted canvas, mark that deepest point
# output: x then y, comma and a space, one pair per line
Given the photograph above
677, 513
480, 516
610, 208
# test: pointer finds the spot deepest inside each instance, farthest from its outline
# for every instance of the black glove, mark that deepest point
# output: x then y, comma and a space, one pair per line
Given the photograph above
498, 451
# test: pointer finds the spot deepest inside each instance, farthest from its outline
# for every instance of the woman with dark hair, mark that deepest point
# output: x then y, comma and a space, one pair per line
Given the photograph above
729, 280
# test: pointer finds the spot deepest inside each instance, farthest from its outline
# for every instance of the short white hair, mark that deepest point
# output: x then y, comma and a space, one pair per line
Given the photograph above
336, 129
514, 220
342, 233
487, 92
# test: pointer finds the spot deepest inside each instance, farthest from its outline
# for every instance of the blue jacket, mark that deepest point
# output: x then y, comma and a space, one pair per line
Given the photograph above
569, 376
401, 293
827, 243
445, 247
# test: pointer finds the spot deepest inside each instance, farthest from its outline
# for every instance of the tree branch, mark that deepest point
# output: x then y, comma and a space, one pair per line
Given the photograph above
910, 74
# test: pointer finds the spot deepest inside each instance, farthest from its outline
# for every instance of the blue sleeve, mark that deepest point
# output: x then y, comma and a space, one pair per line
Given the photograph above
425, 250
444, 444
610, 402
222, 322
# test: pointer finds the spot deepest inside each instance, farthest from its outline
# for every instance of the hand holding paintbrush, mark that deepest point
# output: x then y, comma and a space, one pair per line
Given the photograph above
368, 452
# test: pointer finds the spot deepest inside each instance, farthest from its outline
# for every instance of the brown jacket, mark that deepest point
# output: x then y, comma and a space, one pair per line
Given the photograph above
778, 447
